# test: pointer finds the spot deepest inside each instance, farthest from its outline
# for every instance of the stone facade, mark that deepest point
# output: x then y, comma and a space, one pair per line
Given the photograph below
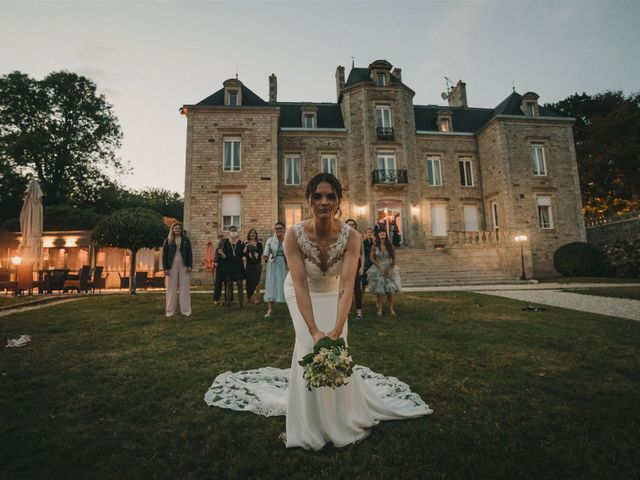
381, 143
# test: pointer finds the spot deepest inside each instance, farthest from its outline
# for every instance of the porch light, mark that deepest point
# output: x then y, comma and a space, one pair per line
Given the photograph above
16, 260
520, 238
415, 210
361, 210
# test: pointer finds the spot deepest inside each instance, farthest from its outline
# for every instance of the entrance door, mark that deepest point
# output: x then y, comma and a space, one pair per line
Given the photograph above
389, 219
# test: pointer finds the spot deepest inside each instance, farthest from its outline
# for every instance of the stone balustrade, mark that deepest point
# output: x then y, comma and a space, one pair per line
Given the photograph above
486, 237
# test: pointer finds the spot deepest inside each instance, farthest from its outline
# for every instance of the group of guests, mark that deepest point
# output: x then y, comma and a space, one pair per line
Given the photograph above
237, 261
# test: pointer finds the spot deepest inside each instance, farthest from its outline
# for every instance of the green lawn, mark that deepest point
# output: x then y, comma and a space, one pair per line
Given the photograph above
7, 300
620, 292
109, 388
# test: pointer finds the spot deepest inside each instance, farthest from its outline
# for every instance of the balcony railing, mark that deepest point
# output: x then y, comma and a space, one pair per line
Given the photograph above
385, 133
390, 176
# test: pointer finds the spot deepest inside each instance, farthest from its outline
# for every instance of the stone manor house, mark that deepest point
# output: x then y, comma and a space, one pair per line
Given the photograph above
461, 183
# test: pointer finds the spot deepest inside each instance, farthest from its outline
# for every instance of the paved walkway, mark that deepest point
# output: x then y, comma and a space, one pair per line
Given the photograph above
615, 307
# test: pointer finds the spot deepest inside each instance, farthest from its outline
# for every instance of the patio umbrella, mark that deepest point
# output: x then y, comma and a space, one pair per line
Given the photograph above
208, 257
31, 225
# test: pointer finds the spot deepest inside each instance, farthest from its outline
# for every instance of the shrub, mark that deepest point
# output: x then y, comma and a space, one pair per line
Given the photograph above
624, 257
579, 259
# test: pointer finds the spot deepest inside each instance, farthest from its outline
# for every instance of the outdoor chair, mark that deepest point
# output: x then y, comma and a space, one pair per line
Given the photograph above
157, 281
141, 279
79, 282
24, 279
96, 279
5, 280
55, 280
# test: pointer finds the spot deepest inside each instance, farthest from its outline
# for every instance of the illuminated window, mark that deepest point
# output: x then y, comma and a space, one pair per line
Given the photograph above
545, 217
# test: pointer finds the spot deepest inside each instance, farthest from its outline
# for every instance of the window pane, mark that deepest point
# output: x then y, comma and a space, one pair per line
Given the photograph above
288, 171
236, 156
468, 172
227, 156
545, 219
461, 164
494, 209
430, 178
297, 174
387, 117
436, 171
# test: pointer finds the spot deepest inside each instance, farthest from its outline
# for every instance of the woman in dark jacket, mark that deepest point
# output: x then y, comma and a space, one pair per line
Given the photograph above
177, 261
233, 251
253, 253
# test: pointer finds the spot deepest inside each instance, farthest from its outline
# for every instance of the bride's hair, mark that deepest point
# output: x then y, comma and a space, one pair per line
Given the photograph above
323, 178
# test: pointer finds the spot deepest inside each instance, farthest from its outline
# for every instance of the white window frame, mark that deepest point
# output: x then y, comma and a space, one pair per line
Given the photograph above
539, 161
231, 214
329, 164
465, 208
433, 160
306, 116
290, 161
231, 166
543, 203
384, 80
384, 159
381, 120
466, 174
530, 108
231, 92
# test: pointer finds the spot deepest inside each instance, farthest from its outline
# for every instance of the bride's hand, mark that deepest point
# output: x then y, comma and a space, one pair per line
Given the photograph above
317, 335
334, 334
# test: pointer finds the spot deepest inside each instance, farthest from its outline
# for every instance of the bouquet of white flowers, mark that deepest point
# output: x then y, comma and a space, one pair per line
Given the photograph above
329, 365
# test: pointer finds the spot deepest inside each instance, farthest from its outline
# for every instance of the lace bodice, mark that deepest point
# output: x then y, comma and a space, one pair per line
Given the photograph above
317, 262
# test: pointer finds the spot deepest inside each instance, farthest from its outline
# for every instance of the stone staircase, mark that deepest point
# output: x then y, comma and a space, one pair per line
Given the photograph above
422, 268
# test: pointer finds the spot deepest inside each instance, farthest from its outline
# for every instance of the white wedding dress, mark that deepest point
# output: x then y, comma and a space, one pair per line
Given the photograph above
314, 418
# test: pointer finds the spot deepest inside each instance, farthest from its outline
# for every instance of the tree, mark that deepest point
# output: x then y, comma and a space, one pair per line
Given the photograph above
60, 131
133, 229
61, 217
607, 150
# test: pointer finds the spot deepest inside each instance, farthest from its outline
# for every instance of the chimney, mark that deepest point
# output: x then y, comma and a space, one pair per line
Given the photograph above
273, 88
339, 80
458, 95
397, 72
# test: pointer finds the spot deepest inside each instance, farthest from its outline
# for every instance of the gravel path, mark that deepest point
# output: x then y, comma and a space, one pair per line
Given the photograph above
615, 307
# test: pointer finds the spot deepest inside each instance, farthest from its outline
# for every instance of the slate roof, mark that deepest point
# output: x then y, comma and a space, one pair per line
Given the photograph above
248, 99
470, 120
358, 75
328, 115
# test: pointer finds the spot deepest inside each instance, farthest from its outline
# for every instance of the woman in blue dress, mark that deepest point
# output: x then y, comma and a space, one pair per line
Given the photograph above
276, 268
384, 276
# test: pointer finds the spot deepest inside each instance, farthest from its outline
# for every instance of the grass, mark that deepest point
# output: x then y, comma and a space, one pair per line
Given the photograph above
632, 293
8, 300
109, 388
589, 280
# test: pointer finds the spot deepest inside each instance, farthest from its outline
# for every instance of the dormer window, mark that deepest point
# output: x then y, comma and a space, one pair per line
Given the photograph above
309, 120
529, 105
309, 116
444, 121
381, 81
233, 92
232, 98
444, 125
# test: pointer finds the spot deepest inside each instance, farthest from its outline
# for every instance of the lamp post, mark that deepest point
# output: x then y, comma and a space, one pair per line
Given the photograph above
521, 239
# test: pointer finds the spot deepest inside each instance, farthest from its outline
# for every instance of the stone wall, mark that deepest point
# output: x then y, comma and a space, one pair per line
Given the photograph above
206, 182
600, 235
521, 187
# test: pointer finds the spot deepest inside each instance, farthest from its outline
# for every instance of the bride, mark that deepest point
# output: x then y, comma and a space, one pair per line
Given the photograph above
322, 256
